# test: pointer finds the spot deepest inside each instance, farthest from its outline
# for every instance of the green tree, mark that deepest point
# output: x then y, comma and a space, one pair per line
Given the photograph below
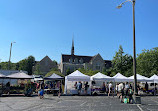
88, 72
30, 64
117, 60
54, 70
23, 65
27, 64
4, 65
37, 70
147, 62
122, 63
68, 71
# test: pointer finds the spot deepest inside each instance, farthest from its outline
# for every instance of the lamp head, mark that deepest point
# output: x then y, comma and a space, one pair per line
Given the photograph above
119, 6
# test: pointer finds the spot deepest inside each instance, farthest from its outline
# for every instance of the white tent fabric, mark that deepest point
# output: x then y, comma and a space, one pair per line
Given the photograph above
120, 78
54, 76
141, 78
1, 75
76, 76
154, 78
19, 75
38, 79
100, 76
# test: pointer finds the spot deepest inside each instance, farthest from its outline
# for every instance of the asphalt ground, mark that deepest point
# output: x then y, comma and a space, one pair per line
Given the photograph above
75, 103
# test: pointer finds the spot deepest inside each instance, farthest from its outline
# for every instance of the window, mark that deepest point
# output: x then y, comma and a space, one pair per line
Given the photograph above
97, 66
76, 60
70, 60
81, 61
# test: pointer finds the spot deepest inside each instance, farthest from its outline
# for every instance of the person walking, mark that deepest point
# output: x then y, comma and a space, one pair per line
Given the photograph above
110, 89
86, 87
122, 92
60, 89
130, 95
103, 88
146, 87
126, 88
75, 85
42, 91
79, 86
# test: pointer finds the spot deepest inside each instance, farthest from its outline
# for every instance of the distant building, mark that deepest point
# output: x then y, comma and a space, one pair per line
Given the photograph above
73, 62
45, 65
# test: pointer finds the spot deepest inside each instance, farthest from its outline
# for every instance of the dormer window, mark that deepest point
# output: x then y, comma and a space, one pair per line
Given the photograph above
70, 60
81, 61
76, 60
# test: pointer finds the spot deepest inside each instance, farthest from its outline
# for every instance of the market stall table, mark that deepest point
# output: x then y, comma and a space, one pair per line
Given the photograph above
54, 91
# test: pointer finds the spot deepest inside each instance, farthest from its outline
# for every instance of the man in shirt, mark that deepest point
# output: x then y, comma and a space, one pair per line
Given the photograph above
79, 86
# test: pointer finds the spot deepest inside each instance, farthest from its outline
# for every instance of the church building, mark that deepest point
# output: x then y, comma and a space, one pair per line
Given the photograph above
72, 62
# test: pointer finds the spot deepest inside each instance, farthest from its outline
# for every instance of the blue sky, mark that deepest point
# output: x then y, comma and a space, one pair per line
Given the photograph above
46, 27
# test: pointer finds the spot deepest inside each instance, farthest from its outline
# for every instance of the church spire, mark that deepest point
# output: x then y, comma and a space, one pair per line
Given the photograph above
72, 48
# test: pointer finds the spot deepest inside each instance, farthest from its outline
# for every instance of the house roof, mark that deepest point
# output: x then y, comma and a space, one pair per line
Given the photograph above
46, 57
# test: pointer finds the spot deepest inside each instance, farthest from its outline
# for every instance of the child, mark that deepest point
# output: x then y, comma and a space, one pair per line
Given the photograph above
42, 91
41, 94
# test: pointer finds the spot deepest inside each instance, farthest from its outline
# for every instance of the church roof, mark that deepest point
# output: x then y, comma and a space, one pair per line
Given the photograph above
86, 59
66, 58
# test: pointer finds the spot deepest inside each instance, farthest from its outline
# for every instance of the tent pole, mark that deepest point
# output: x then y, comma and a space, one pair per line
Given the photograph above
154, 89
114, 87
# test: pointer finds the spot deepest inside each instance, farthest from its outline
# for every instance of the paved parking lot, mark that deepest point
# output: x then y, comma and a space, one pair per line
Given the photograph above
75, 103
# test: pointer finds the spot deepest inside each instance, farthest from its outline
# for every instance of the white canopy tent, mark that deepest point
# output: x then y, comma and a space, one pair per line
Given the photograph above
120, 78
19, 75
141, 78
38, 79
154, 78
54, 77
101, 77
2, 76
76, 76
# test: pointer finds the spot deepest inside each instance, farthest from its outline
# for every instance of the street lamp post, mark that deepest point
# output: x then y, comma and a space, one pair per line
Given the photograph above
10, 55
136, 98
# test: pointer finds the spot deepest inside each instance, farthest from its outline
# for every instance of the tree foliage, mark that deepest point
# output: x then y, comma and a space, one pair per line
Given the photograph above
87, 71
54, 70
122, 63
25, 64
147, 62
37, 69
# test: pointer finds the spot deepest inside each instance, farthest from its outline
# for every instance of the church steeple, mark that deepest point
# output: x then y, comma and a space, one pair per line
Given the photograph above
72, 48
